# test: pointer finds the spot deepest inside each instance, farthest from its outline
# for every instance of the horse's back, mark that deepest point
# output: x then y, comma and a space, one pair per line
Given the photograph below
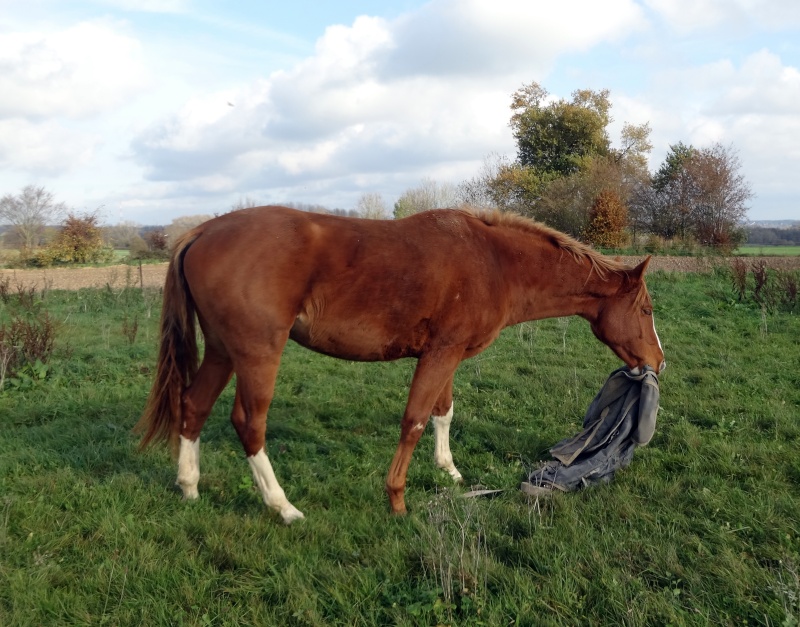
361, 289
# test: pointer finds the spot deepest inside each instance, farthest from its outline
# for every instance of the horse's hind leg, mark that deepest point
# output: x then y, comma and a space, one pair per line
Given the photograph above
442, 415
196, 404
255, 384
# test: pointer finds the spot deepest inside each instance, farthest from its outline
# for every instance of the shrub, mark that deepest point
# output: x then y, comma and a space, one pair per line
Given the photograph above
760, 285
608, 218
79, 241
27, 339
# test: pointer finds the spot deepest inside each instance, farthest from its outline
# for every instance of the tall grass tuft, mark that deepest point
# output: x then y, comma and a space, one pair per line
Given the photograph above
27, 332
766, 288
454, 555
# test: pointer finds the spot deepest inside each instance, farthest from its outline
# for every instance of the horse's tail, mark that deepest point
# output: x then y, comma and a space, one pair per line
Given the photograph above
177, 355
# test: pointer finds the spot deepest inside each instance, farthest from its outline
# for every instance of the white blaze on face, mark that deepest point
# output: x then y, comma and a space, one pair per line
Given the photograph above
441, 453
189, 467
663, 363
271, 491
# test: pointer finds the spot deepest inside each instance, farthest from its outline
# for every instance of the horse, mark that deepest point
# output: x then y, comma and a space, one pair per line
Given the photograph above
437, 286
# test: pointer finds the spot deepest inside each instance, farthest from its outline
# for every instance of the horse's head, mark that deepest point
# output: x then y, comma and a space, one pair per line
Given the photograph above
625, 322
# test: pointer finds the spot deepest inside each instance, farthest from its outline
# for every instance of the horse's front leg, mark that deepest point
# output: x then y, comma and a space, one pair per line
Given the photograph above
441, 452
433, 373
442, 416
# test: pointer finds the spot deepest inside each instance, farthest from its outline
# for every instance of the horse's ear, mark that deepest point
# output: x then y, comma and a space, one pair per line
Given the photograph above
638, 272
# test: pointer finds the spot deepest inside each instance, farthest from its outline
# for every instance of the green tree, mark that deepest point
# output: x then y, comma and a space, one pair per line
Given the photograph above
555, 137
564, 159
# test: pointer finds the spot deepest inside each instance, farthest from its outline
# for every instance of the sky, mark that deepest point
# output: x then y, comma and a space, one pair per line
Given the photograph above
148, 110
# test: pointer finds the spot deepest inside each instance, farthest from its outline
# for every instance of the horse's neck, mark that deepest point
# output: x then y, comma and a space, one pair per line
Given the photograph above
548, 282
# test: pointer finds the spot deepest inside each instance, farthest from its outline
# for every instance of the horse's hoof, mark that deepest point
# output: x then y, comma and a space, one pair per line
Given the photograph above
290, 514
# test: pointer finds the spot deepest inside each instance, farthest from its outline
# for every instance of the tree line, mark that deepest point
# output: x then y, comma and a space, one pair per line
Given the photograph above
567, 174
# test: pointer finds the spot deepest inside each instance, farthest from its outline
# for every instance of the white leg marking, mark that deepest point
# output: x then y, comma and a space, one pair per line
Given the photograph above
189, 467
418, 427
271, 490
441, 453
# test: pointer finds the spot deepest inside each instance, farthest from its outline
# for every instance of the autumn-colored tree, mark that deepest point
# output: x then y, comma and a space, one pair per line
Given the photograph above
699, 193
607, 221
80, 240
156, 240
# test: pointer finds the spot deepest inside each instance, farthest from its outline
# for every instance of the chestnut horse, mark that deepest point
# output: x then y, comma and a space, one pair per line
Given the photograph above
438, 286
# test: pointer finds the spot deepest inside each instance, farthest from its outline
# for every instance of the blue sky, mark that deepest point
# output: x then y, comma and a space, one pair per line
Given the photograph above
152, 109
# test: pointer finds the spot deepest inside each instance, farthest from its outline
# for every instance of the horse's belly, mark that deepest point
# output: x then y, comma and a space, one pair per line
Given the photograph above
351, 339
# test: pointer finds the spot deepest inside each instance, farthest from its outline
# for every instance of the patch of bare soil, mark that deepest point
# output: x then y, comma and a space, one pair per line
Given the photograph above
153, 275
116, 277
708, 264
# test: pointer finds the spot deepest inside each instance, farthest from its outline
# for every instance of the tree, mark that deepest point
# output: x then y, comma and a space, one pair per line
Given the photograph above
180, 225
608, 219
372, 206
29, 212
429, 195
503, 185
672, 205
555, 137
121, 235
564, 159
720, 196
699, 193
244, 202
566, 202
80, 240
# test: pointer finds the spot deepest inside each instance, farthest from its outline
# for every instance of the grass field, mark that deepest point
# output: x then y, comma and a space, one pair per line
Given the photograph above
768, 251
702, 529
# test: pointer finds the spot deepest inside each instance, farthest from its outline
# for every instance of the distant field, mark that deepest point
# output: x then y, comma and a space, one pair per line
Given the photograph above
768, 251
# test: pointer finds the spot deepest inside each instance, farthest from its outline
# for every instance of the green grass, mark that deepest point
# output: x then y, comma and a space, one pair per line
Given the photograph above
702, 529
770, 251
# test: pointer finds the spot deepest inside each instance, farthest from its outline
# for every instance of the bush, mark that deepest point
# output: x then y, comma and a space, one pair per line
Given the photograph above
608, 218
760, 285
79, 241
27, 339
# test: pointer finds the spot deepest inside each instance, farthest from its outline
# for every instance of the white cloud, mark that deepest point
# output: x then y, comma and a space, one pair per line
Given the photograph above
686, 16
474, 37
74, 72
751, 106
763, 85
379, 95
43, 148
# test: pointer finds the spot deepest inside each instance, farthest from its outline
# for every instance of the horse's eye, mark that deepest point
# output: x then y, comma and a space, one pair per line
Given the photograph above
647, 311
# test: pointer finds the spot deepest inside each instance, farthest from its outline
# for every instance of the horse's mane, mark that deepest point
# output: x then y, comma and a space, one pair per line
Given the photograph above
578, 250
